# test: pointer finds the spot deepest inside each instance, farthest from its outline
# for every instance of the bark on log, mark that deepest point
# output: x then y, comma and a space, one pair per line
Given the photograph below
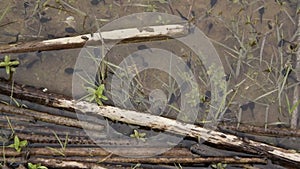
156, 32
179, 128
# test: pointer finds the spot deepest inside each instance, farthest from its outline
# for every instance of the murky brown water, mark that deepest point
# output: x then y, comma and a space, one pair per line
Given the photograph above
249, 33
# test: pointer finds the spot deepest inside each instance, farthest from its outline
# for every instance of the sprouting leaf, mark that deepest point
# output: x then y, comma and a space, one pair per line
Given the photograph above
16, 141
23, 143
18, 145
139, 136
36, 166
6, 61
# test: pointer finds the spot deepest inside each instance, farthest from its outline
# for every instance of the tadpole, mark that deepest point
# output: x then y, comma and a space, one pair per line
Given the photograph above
261, 12
251, 106
213, 3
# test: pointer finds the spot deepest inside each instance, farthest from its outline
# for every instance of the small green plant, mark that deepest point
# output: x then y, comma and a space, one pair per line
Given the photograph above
96, 94
139, 136
36, 166
9, 65
219, 166
18, 144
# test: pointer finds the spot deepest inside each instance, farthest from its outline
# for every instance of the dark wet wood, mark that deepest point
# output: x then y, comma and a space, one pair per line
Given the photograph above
270, 131
58, 161
45, 117
31, 94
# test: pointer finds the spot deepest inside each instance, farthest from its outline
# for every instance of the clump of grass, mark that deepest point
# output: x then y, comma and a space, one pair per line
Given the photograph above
63, 146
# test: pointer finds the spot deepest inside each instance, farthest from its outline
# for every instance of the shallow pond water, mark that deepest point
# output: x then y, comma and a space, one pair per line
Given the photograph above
255, 41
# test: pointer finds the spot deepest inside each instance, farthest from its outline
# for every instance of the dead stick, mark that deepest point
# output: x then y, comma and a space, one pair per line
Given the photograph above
94, 151
45, 117
275, 132
31, 94
42, 129
57, 163
151, 160
51, 139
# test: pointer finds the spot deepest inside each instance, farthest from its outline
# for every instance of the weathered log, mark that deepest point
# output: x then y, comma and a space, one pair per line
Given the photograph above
132, 34
172, 126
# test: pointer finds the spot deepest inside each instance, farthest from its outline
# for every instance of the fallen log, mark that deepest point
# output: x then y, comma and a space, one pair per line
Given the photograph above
172, 126
179, 128
131, 34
